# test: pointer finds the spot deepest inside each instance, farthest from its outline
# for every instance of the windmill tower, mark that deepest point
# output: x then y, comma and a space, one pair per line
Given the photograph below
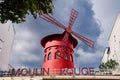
58, 48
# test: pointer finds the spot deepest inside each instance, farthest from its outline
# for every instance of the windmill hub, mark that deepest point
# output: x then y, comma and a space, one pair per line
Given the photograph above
68, 30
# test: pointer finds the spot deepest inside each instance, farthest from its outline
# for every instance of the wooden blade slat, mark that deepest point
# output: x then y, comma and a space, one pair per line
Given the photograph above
73, 17
84, 39
52, 20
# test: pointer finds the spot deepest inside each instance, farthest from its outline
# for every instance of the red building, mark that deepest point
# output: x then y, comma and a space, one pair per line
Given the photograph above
58, 55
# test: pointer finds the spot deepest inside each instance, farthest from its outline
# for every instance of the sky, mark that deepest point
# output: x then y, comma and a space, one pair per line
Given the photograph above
95, 21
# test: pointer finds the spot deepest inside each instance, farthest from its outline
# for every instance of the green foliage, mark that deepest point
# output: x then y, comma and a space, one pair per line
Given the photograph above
16, 10
110, 64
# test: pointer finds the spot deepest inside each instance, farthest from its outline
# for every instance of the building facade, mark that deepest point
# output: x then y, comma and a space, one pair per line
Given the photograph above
113, 51
7, 33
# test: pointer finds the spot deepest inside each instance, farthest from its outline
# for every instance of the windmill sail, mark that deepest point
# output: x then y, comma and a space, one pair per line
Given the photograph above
68, 30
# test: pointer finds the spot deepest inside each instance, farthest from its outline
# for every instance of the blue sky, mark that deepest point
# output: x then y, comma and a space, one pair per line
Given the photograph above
95, 21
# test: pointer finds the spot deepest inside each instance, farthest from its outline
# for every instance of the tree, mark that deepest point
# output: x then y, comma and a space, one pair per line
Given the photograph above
16, 10
110, 64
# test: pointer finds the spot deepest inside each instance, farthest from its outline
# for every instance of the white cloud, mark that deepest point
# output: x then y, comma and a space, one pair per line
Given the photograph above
24, 43
28, 57
63, 9
106, 13
87, 58
24, 40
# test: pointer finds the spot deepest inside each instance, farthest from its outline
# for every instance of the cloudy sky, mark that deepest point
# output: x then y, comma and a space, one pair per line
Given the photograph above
95, 21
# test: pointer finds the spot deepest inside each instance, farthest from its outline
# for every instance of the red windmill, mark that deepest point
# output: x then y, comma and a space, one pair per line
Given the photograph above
58, 48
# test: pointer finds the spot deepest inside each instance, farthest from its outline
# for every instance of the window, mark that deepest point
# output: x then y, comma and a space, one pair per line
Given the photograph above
114, 36
45, 50
1, 44
44, 58
57, 55
108, 50
71, 58
49, 48
65, 56
49, 56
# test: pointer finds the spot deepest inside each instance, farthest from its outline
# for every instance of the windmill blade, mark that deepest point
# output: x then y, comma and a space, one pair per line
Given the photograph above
73, 16
84, 39
52, 20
